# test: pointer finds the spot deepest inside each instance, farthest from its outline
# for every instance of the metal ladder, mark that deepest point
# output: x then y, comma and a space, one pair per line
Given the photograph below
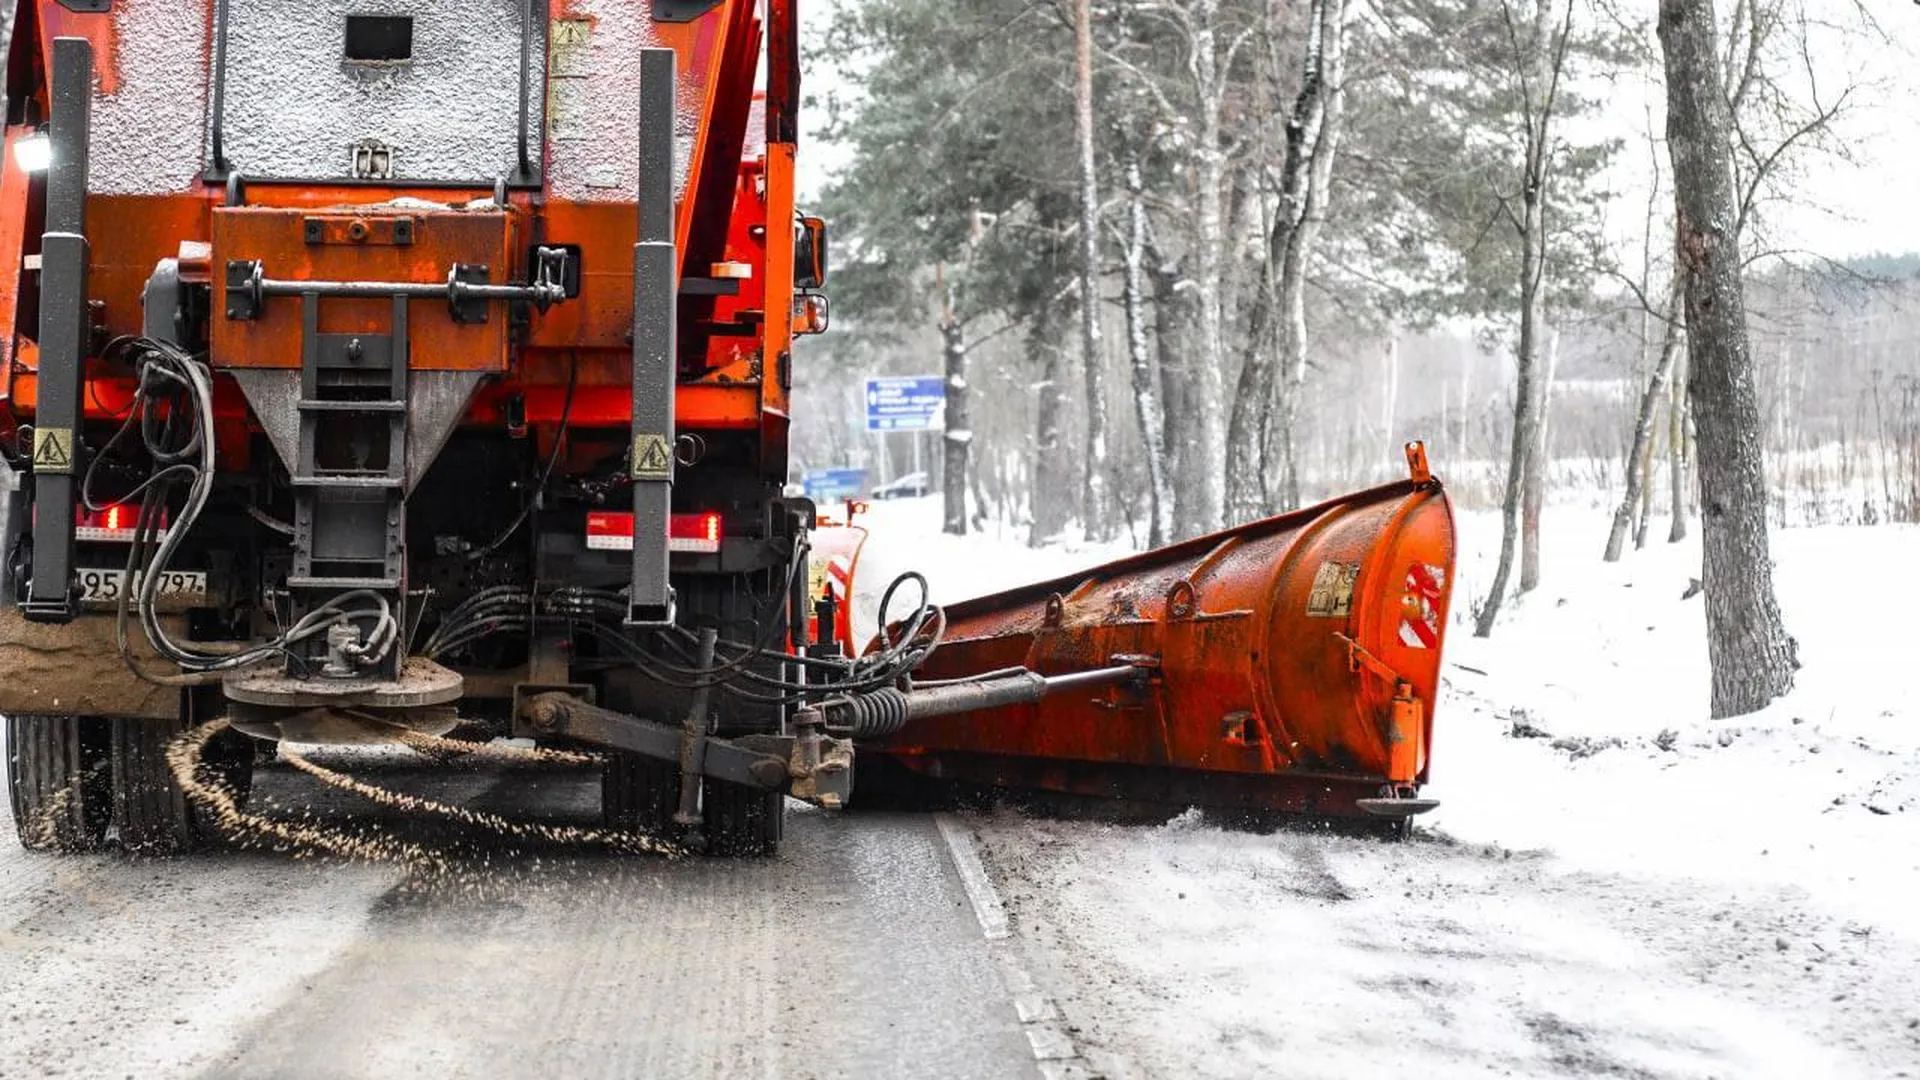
350, 473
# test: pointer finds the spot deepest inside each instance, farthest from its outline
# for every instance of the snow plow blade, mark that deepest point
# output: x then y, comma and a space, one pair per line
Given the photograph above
1288, 665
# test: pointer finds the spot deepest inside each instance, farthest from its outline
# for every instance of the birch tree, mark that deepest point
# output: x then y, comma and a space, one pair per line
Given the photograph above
1146, 398
1540, 63
1261, 468
1093, 364
1210, 39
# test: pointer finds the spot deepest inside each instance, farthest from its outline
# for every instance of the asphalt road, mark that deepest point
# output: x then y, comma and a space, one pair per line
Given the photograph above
853, 954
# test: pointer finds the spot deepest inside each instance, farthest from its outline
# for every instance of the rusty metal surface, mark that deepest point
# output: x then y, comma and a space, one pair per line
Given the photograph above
1254, 633
421, 682
277, 238
75, 669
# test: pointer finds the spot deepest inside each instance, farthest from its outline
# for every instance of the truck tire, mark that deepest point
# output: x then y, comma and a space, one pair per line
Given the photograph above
742, 821
59, 781
153, 814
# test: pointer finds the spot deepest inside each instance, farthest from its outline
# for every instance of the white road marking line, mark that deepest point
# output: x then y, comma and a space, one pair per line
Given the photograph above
1050, 1043
1053, 1048
987, 908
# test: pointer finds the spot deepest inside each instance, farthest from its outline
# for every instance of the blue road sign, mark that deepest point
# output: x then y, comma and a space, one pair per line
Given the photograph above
906, 403
832, 485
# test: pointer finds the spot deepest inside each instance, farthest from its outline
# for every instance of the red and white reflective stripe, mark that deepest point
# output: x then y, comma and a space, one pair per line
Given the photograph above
840, 575
694, 533
1420, 606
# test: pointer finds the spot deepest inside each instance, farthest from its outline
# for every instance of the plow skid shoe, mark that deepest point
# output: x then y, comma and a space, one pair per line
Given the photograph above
1293, 664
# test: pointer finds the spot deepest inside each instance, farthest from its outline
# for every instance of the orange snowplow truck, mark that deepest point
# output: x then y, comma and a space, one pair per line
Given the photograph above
375, 370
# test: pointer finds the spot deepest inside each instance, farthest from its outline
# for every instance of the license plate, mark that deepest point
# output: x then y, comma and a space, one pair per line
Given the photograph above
178, 588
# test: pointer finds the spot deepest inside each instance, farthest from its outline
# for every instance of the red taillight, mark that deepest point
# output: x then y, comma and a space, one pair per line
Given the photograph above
115, 523
700, 533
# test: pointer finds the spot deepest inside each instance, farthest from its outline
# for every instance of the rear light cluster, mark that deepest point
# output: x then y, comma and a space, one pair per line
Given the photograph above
698, 533
114, 524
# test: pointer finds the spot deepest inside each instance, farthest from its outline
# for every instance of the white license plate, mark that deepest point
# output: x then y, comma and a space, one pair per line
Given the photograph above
178, 588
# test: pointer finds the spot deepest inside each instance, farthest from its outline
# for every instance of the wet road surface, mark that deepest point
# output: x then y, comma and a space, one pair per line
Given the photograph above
855, 953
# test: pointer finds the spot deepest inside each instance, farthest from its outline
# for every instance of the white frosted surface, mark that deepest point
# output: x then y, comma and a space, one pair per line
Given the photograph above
295, 108
594, 107
147, 135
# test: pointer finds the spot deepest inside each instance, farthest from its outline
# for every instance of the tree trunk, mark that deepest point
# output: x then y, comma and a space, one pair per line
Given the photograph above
1467, 359
1052, 491
1094, 499
958, 439
1278, 436
1646, 503
1171, 309
1641, 450
1534, 488
1752, 656
1390, 403
1208, 378
1146, 398
1678, 474
1533, 239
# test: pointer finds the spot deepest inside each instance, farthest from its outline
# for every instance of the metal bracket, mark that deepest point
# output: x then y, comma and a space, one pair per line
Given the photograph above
679, 11
467, 310
244, 295
1417, 468
761, 764
466, 290
1359, 659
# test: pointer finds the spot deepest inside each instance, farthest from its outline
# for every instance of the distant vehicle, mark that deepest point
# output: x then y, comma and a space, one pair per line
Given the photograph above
909, 486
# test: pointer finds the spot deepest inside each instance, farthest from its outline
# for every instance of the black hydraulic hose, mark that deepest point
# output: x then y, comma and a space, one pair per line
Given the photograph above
546, 474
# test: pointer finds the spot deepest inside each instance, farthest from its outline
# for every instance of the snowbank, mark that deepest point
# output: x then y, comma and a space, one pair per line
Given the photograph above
1581, 725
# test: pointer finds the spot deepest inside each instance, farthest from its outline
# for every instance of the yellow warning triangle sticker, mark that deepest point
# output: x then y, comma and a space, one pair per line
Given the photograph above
53, 450
651, 461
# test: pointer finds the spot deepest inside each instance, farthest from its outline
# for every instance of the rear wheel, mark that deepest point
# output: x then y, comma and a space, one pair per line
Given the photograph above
151, 811
154, 814
59, 781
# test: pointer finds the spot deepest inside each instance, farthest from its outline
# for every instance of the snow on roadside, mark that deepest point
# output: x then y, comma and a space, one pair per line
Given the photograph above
1581, 725
1614, 884
1185, 950
905, 535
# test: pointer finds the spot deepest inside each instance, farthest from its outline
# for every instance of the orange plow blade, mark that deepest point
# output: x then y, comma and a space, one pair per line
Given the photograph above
1286, 665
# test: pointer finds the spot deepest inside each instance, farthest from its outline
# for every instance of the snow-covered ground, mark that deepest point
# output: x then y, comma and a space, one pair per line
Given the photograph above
1614, 885
1581, 725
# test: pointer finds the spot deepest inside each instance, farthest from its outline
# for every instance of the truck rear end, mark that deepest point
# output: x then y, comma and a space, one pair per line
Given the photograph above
378, 366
